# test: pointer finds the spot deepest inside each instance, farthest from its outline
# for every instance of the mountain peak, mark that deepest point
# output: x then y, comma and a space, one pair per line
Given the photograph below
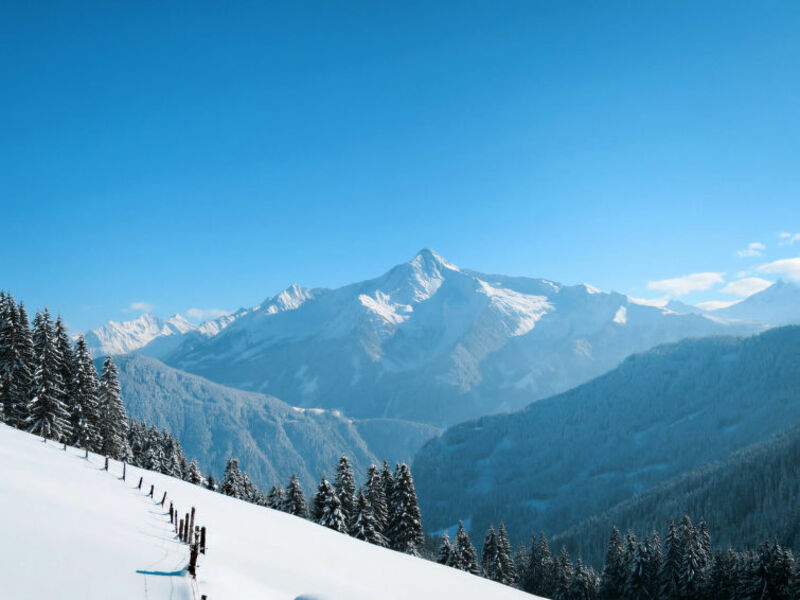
428, 259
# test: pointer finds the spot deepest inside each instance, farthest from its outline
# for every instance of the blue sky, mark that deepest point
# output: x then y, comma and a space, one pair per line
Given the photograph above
191, 155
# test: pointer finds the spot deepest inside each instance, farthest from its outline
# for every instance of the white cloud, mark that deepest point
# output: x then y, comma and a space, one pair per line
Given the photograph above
785, 266
716, 304
680, 286
140, 307
786, 238
747, 286
657, 302
753, 249
203, 314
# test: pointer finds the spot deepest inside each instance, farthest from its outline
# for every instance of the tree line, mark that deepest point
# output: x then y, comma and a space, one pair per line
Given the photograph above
383, 511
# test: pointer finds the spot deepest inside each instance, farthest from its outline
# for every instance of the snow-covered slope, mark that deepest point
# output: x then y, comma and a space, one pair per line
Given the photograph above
431, 342
72, 531
779, 304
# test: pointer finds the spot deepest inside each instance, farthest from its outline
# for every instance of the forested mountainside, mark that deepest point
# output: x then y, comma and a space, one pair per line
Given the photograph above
752, 496
427, 342
658, 415
271, 438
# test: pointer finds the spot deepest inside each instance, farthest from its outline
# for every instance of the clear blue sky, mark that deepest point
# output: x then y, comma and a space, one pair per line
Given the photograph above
206, 155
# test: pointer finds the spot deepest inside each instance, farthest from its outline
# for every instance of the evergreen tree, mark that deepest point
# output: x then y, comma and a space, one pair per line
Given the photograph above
654, 565
638, 569
365, 525
113, 422
276, 497
614, 579
25, 368
233, 481
445, 556
47, 413
671, 566
464, 555
722, 579
521, 560
253, 494
376, 496
564, 573
193, 475
68, 367
388, 487
490, 557
405, 521
327, 509
584, 583
295, 503
84, 408
508, 570
346, 488
692, 574
541, 569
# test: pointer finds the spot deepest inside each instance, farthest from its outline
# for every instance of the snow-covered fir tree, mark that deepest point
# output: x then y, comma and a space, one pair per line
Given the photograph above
670, 577
346, 488
232, 480
364, 525
404, 531
113, 422
521, 560
464, 555
490, 556
295, 503
327, 509
193, 475
614, 579
47, 411
540, 572
276, 497
84, 416
376, 495
445, 554
584, 584
564, 572
508, 570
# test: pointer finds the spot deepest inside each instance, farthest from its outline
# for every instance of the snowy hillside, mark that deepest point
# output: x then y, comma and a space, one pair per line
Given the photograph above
271, 438
779, 304
71, 530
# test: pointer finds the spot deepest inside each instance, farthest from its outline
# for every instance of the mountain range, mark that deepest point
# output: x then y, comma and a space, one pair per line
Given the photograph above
427, 341
658, 415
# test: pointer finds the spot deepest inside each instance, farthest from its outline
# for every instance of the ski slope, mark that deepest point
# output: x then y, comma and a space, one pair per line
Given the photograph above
71, 530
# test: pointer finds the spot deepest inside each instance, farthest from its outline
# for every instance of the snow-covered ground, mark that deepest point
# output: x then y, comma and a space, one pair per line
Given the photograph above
70, 530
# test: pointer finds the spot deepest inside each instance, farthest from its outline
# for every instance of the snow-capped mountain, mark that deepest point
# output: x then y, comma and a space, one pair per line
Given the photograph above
126, 336
779, 304
430, 342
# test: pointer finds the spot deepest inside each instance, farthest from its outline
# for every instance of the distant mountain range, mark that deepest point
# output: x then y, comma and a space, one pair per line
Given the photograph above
426, 342
271, 438
659, 415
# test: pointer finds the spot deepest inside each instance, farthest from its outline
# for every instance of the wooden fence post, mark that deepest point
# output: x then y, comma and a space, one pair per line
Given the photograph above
152, 489
203, 539
193, 560
106, 463
170, 512
65, 446
180, 530
191, 525
140, 483
186, 528
87, 453
124, 470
